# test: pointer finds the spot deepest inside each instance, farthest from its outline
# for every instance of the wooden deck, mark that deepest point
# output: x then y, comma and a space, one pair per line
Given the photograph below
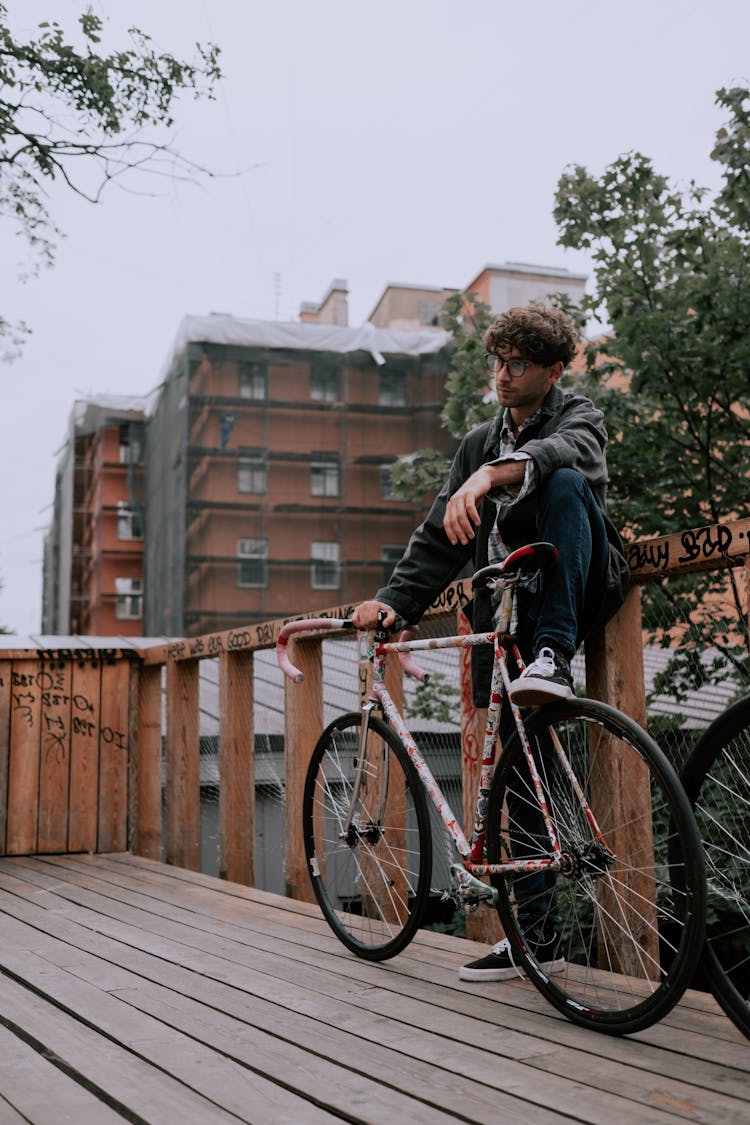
135, 991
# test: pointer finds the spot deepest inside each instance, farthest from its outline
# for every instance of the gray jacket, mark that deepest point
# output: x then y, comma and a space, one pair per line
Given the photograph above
570, 433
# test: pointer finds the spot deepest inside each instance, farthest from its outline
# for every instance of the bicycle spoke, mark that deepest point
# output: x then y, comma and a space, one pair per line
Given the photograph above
627, 905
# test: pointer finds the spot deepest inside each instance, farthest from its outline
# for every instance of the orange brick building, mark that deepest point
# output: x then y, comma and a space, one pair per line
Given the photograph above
271, 445
93, 559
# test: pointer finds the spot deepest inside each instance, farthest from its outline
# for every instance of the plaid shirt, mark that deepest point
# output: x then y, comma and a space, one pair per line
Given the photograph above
509, 493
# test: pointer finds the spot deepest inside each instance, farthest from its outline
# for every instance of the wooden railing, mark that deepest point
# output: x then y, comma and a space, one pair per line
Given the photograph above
81, 729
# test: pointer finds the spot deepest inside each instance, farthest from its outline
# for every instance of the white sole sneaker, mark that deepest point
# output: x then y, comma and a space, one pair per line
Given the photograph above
467, 973
531, 692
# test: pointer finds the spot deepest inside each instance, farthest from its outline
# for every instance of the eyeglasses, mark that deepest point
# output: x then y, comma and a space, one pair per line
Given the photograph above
516, 367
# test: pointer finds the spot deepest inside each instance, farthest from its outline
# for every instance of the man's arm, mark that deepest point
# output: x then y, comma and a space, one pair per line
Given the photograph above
462, 512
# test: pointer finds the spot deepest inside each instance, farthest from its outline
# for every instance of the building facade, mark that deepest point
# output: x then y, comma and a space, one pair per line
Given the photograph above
93, 553
268, 459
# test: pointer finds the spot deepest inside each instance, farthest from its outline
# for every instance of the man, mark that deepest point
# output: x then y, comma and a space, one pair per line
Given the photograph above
537, 471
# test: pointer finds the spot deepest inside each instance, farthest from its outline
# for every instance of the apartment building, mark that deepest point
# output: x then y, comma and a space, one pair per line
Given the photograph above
268, 459
93, 552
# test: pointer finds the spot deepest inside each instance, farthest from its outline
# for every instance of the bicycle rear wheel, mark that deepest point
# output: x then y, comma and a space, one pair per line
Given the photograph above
367, 836
628, 905
716, 777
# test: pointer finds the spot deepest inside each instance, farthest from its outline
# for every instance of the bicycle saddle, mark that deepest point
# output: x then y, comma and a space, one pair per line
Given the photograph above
527, 560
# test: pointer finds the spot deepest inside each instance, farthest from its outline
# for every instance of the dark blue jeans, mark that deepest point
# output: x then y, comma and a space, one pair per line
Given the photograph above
560, 614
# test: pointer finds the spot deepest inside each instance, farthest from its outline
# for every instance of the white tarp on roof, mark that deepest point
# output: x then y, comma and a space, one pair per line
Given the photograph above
89, 413
379, 342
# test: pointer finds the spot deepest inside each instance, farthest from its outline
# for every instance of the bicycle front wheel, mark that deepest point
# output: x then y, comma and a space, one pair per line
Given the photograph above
613, 938
716, 777
367, 836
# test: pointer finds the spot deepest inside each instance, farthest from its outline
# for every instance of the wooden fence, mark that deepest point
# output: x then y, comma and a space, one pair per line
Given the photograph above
81, 728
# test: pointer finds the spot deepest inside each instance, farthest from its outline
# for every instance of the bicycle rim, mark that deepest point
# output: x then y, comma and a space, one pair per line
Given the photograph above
717, 781
628, 911
369, 852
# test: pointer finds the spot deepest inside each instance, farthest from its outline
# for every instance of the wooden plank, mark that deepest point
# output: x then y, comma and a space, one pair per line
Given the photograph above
84, 756
23, 771
228, 1059
55, 679
236, 768
6, 669
261, 932
35, 1089
303, 722
148, 817
183, 787
678, 1058
594, 1103
711, 547
112, 834
123, 1074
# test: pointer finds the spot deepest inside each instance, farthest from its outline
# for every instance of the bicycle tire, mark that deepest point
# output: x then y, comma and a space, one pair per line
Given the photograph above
630, 916
716, 777
372, 882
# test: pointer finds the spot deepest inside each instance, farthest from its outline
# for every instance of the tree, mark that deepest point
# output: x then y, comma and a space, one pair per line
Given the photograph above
74, 115
672, 272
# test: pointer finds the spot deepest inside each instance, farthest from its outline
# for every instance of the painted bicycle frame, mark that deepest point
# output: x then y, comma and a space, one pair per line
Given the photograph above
472, 851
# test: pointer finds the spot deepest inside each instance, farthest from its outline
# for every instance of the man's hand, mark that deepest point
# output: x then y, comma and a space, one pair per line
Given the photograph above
365, 616
462, 511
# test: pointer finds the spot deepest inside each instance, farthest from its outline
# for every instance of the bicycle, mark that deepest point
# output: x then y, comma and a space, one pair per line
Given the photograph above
716, 777
628, 895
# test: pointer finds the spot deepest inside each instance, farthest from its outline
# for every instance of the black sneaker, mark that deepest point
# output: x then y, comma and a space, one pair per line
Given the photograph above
544, 681
499, 964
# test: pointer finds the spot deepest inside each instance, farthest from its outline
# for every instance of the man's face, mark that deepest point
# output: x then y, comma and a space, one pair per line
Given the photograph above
525, 393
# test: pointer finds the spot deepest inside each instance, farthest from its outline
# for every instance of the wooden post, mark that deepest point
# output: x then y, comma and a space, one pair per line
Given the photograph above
183, 843
147, 757
5, 678
614, 661
23, 768
84, 756
112, 835
54, 680
482, 924
614, 674
303, 722
236, 768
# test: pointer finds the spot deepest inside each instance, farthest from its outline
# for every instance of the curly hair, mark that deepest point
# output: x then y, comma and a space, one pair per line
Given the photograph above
542, 333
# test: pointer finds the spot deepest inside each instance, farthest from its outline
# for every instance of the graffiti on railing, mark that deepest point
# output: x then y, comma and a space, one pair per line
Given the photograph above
23, 702
264, 635
453, 597
689, 549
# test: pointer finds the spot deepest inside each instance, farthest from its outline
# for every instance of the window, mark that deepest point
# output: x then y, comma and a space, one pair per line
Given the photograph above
429, 313
129, 524
252, 473
324, 384
389, 557
391, 388
131, 444
326, 566
253, 380
253, 555
386, 484
324, 478
129, 603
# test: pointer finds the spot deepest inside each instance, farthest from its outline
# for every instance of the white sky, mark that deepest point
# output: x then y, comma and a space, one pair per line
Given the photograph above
398, 140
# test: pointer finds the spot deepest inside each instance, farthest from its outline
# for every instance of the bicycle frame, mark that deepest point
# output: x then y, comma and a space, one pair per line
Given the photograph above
471, 851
